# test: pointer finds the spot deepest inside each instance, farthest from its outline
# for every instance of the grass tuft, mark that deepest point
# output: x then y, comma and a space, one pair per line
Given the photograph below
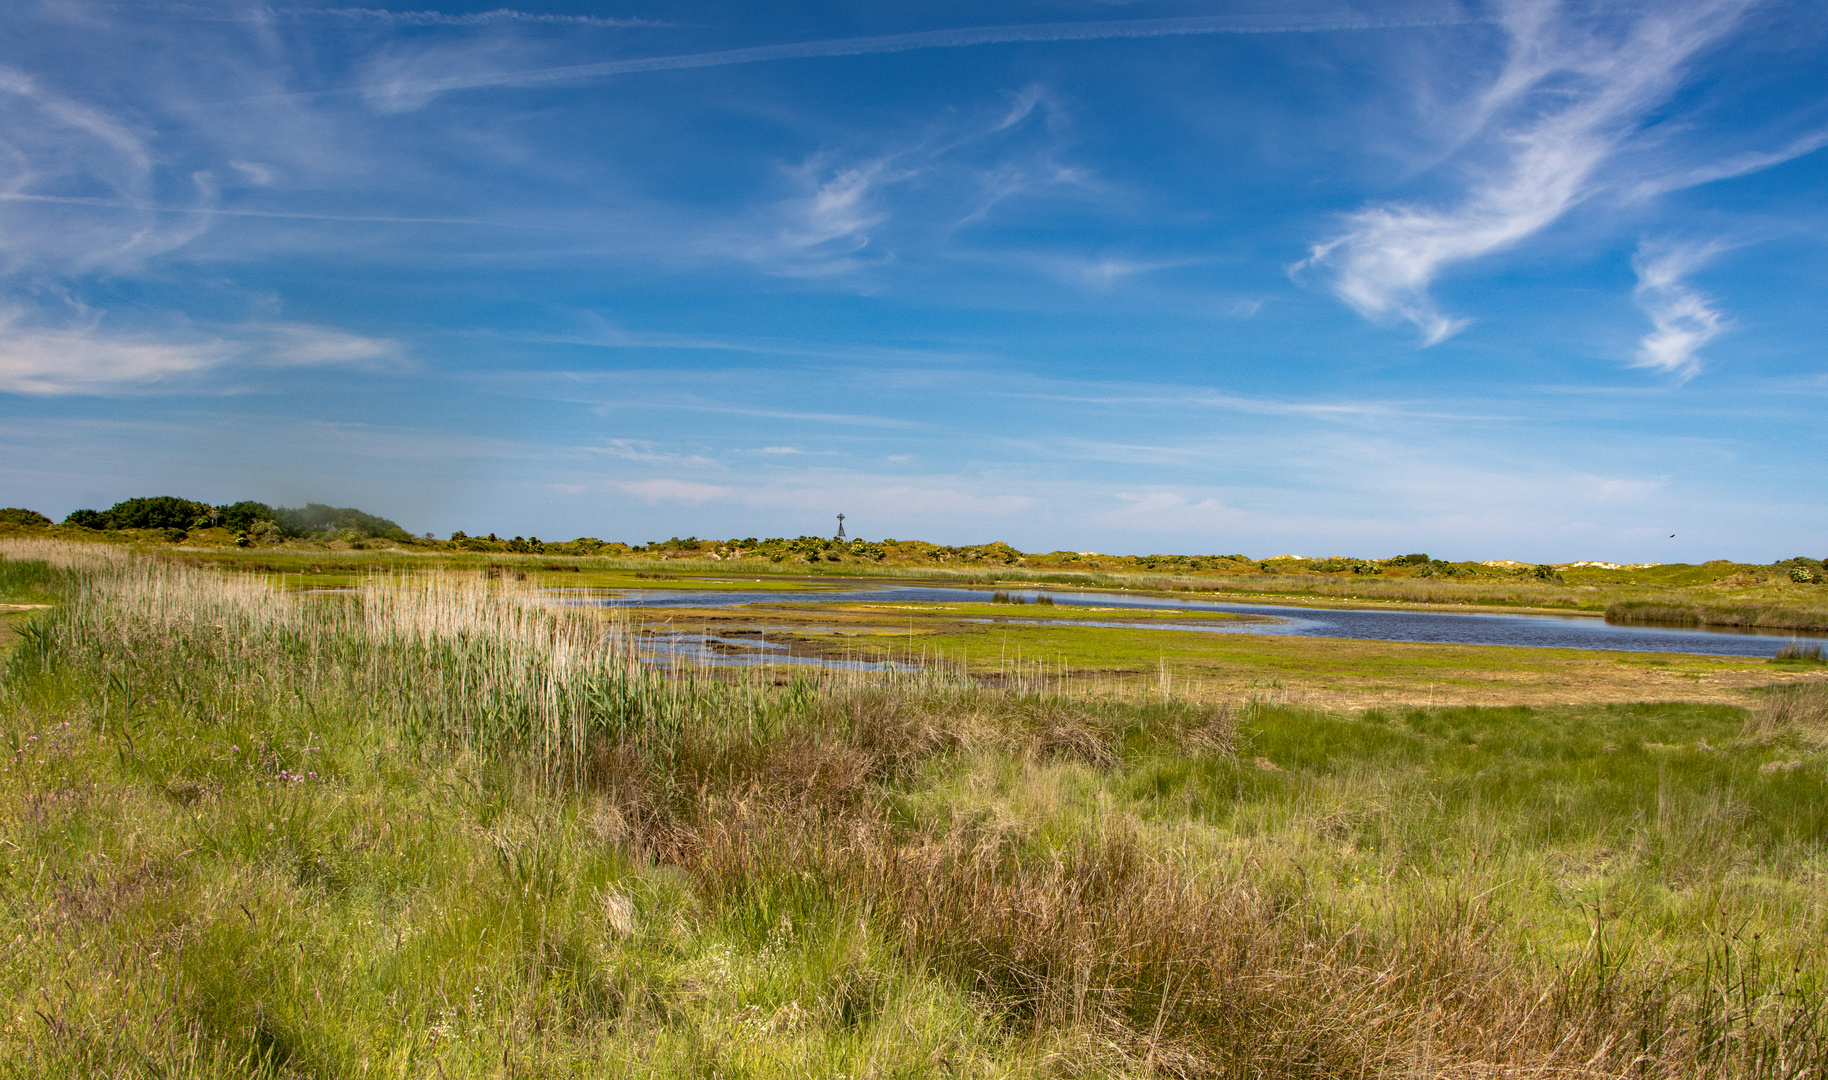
1797, 653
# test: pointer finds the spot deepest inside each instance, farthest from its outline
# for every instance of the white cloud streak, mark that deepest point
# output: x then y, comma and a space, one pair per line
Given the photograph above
1682, 319
670, 490
304, 345
826, 230
277, 215
1432, 15
384, 16
1738, 165
56, 361
829, 226
497, 17
1569, 95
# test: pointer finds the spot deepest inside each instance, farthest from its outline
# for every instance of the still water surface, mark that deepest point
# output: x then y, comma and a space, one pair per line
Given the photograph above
1539, 631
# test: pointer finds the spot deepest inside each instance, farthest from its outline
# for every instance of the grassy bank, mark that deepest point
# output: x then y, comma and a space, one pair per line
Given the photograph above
1082, 650
438, 828
1812, 619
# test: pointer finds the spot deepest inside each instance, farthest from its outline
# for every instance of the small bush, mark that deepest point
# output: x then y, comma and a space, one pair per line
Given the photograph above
1799, 653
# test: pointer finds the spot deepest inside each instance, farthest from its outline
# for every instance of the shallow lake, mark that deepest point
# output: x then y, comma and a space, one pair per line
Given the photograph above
1537, 631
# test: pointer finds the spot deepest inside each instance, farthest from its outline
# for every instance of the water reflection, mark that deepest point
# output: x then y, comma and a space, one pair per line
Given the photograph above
721, 650
1534, 631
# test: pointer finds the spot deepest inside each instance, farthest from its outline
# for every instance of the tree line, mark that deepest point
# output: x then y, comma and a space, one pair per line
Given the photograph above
169, 512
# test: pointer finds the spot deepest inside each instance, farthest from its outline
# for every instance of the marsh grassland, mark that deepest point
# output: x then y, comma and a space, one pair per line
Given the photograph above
1075, 651
438, 827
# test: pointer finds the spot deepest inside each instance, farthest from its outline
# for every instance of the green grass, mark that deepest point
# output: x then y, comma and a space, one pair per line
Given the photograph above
1786, 613
436, 828
1733, 594
28, 582
1191, 653
1023, 614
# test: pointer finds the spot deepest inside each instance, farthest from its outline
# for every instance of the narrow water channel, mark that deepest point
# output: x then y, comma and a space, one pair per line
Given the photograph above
1535, 631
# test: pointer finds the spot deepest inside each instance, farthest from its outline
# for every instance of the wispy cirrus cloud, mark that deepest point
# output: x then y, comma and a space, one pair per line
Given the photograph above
56, 362
497, 17
1340, 19
671, 490
646, 452
957, 171
88, 359
1572, 91
57, 151
1101, 273
826, 229
305, 345
1683, 320
886, 497
1736, 165
383, 16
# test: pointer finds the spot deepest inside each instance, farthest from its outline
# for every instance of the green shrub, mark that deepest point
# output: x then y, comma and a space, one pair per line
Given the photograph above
159, 512
87, 519
319, 518
241, 516
19, 515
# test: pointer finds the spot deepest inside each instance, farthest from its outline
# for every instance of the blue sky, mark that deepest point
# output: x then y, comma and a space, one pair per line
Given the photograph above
1484, 279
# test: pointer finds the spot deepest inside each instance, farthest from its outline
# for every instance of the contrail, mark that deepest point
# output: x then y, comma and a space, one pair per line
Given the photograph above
216, 211
940, 39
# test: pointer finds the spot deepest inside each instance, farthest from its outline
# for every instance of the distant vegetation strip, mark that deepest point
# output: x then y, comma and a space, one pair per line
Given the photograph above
256, 524
1777, 596
251, 520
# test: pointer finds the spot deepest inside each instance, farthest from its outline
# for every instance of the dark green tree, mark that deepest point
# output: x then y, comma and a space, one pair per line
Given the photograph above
241, 516
158, 512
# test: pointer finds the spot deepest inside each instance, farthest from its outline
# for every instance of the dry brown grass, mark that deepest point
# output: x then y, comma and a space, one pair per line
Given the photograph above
1164, 963
1797, 713
1183, 971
